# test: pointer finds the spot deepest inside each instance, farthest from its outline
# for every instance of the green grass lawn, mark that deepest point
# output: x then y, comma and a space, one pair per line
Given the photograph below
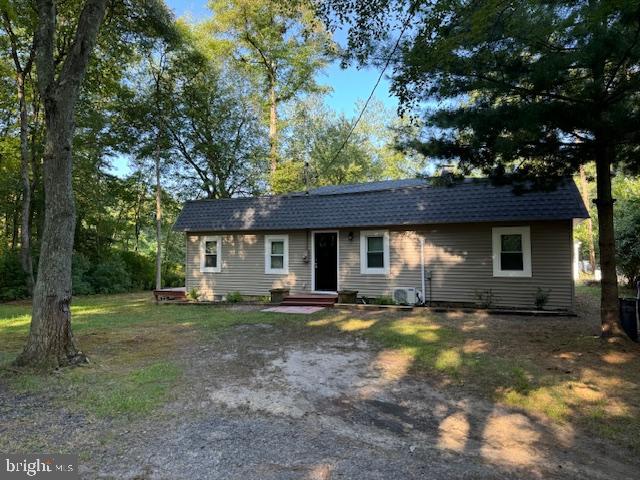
554, 367
129, 340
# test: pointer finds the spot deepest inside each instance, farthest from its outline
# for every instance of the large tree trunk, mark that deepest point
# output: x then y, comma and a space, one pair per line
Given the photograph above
584, 191
609, 283
51, 342
158, 225
273, 126
25, 231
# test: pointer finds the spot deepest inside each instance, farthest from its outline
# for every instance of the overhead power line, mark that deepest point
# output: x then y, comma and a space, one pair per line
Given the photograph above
373, 90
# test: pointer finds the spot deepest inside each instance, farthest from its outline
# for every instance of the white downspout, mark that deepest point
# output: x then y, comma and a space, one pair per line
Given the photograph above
424, 292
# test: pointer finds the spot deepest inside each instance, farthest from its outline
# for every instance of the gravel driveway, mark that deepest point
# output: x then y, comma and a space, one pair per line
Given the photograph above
262, 403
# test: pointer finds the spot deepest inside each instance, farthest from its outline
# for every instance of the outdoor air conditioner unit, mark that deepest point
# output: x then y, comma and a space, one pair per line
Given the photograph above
407, 296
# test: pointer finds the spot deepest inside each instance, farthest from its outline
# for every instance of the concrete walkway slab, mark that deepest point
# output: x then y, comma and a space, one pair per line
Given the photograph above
298, 309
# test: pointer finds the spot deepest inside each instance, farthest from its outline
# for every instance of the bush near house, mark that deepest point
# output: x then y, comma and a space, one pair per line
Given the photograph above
234, 297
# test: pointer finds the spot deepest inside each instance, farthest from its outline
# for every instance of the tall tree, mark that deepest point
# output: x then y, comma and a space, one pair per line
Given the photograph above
51, 341
281, 44
213, 136
527, 91
22, 51
157, 68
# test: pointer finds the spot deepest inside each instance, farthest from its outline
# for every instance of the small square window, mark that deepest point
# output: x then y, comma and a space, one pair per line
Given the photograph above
374, 252
511, 257
210, 251
276, 254
511, 252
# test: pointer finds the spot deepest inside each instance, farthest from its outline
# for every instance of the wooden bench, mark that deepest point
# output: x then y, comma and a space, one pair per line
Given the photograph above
170, 294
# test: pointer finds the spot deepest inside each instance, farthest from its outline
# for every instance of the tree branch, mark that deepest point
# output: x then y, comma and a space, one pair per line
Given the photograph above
45, 39
75, 64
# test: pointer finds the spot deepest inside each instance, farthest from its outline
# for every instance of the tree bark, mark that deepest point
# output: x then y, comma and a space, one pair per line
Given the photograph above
609, 283
584, 191
16, 230
273, 125
51, 342
158, 225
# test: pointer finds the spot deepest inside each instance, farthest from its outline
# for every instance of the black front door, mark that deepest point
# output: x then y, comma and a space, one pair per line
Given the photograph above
326, 259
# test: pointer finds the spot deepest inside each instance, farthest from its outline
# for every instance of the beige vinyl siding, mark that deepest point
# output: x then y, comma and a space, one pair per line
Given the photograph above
460, 260
242, 265
458, 256
404, 267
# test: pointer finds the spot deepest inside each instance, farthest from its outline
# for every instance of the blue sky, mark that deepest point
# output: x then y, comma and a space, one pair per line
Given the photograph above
347, 85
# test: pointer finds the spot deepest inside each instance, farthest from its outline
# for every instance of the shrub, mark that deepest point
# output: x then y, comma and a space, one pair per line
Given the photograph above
193, 294
80, 266
111, 276
13, 284
234, 297
383, 301
173, 275
141, 270
542, 297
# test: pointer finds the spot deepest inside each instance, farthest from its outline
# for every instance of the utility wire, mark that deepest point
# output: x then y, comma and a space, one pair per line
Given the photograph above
366, 103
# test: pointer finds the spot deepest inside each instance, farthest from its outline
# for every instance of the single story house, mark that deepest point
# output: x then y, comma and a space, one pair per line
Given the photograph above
461, 243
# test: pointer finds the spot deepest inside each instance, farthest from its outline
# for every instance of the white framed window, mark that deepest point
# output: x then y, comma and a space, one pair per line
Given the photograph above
511, 251
276, 254
374, 252
210, 254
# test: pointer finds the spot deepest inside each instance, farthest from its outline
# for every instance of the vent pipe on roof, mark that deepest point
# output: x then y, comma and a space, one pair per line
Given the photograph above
305, 177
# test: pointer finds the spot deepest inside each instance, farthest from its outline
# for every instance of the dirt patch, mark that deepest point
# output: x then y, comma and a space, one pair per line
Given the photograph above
349, 387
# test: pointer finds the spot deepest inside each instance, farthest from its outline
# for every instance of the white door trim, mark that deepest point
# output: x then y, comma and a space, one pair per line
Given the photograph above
313, 260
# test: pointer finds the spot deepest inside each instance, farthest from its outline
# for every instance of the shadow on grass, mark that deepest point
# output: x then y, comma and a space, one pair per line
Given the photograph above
550, 368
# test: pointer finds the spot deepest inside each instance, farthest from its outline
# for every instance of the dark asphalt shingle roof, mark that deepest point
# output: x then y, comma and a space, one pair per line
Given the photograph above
369, 186
400, 202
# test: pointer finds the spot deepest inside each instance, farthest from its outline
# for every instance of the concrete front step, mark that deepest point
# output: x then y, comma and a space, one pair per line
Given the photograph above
309, 300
